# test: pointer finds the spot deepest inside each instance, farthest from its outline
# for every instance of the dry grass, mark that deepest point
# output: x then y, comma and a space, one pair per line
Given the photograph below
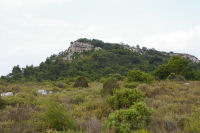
172, 102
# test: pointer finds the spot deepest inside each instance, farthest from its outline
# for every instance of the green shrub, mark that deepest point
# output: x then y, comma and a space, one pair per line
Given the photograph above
138, 76
197, 75
125, 120
174, 77
69, 80
109, 86
77, 99
124, 98
161, 72
117, 76
2, 103
60, 84
81, 82
102, 80
131, 85
58, 118
178, 65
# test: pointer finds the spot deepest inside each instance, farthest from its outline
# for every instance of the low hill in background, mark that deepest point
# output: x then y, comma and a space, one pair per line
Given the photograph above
95, 59
97, 87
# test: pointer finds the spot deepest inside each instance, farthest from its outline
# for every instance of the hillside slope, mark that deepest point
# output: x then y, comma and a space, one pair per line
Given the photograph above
95, 59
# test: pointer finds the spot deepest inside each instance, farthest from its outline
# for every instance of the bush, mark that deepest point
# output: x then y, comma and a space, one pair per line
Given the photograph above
60, 84
81, 82
102, 80
125, 120
109, 86
197, 75
2, 103
124, 98
58, 118
161, 72
174, 77
178, 65
131, 85
77, 99
117, 76
69, 80
138, 76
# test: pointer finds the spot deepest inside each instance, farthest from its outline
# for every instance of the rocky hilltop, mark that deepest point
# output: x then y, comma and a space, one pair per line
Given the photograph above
95, 59
188, 56
80, 47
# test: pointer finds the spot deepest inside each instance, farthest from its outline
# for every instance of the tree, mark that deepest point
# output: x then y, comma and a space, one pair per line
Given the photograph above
138, 76
162, 72
197, 75
29, 72
16, 73
177, 65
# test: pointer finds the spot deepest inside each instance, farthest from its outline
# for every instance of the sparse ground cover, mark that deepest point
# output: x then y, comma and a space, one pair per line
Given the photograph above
174, 105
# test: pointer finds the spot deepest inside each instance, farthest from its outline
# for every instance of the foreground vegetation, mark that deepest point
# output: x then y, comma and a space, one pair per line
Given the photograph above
160, 107
112, 90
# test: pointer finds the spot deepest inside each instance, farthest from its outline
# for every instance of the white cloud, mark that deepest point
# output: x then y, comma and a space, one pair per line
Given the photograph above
179, 41
14, 4
28, 39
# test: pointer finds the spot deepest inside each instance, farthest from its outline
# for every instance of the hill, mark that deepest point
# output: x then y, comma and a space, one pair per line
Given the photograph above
97, 87
95, 59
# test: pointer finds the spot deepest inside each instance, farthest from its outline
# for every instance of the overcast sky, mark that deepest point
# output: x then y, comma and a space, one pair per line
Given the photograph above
31, 30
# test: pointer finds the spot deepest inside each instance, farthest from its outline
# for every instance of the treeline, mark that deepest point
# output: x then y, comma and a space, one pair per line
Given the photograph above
113, 58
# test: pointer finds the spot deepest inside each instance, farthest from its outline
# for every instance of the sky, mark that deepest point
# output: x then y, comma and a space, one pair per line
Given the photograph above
32, 30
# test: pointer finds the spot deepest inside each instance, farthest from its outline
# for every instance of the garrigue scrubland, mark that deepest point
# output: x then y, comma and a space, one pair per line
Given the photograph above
104, 88
173, 106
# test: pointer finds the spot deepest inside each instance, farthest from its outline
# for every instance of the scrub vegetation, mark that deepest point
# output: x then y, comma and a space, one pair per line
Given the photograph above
106, 91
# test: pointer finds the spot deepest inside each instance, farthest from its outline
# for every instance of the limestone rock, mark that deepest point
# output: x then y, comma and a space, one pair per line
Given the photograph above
97, 49
44, 92
188, 56
6, 94
77, 47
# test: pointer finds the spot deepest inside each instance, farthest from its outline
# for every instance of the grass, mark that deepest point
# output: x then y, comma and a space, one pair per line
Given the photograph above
174, 105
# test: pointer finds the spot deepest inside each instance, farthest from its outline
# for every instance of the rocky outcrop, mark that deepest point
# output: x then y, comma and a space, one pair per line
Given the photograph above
188, 56
133, 49
97, 48
6, 94
44, 92
141, 51
80, 47
77, 47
